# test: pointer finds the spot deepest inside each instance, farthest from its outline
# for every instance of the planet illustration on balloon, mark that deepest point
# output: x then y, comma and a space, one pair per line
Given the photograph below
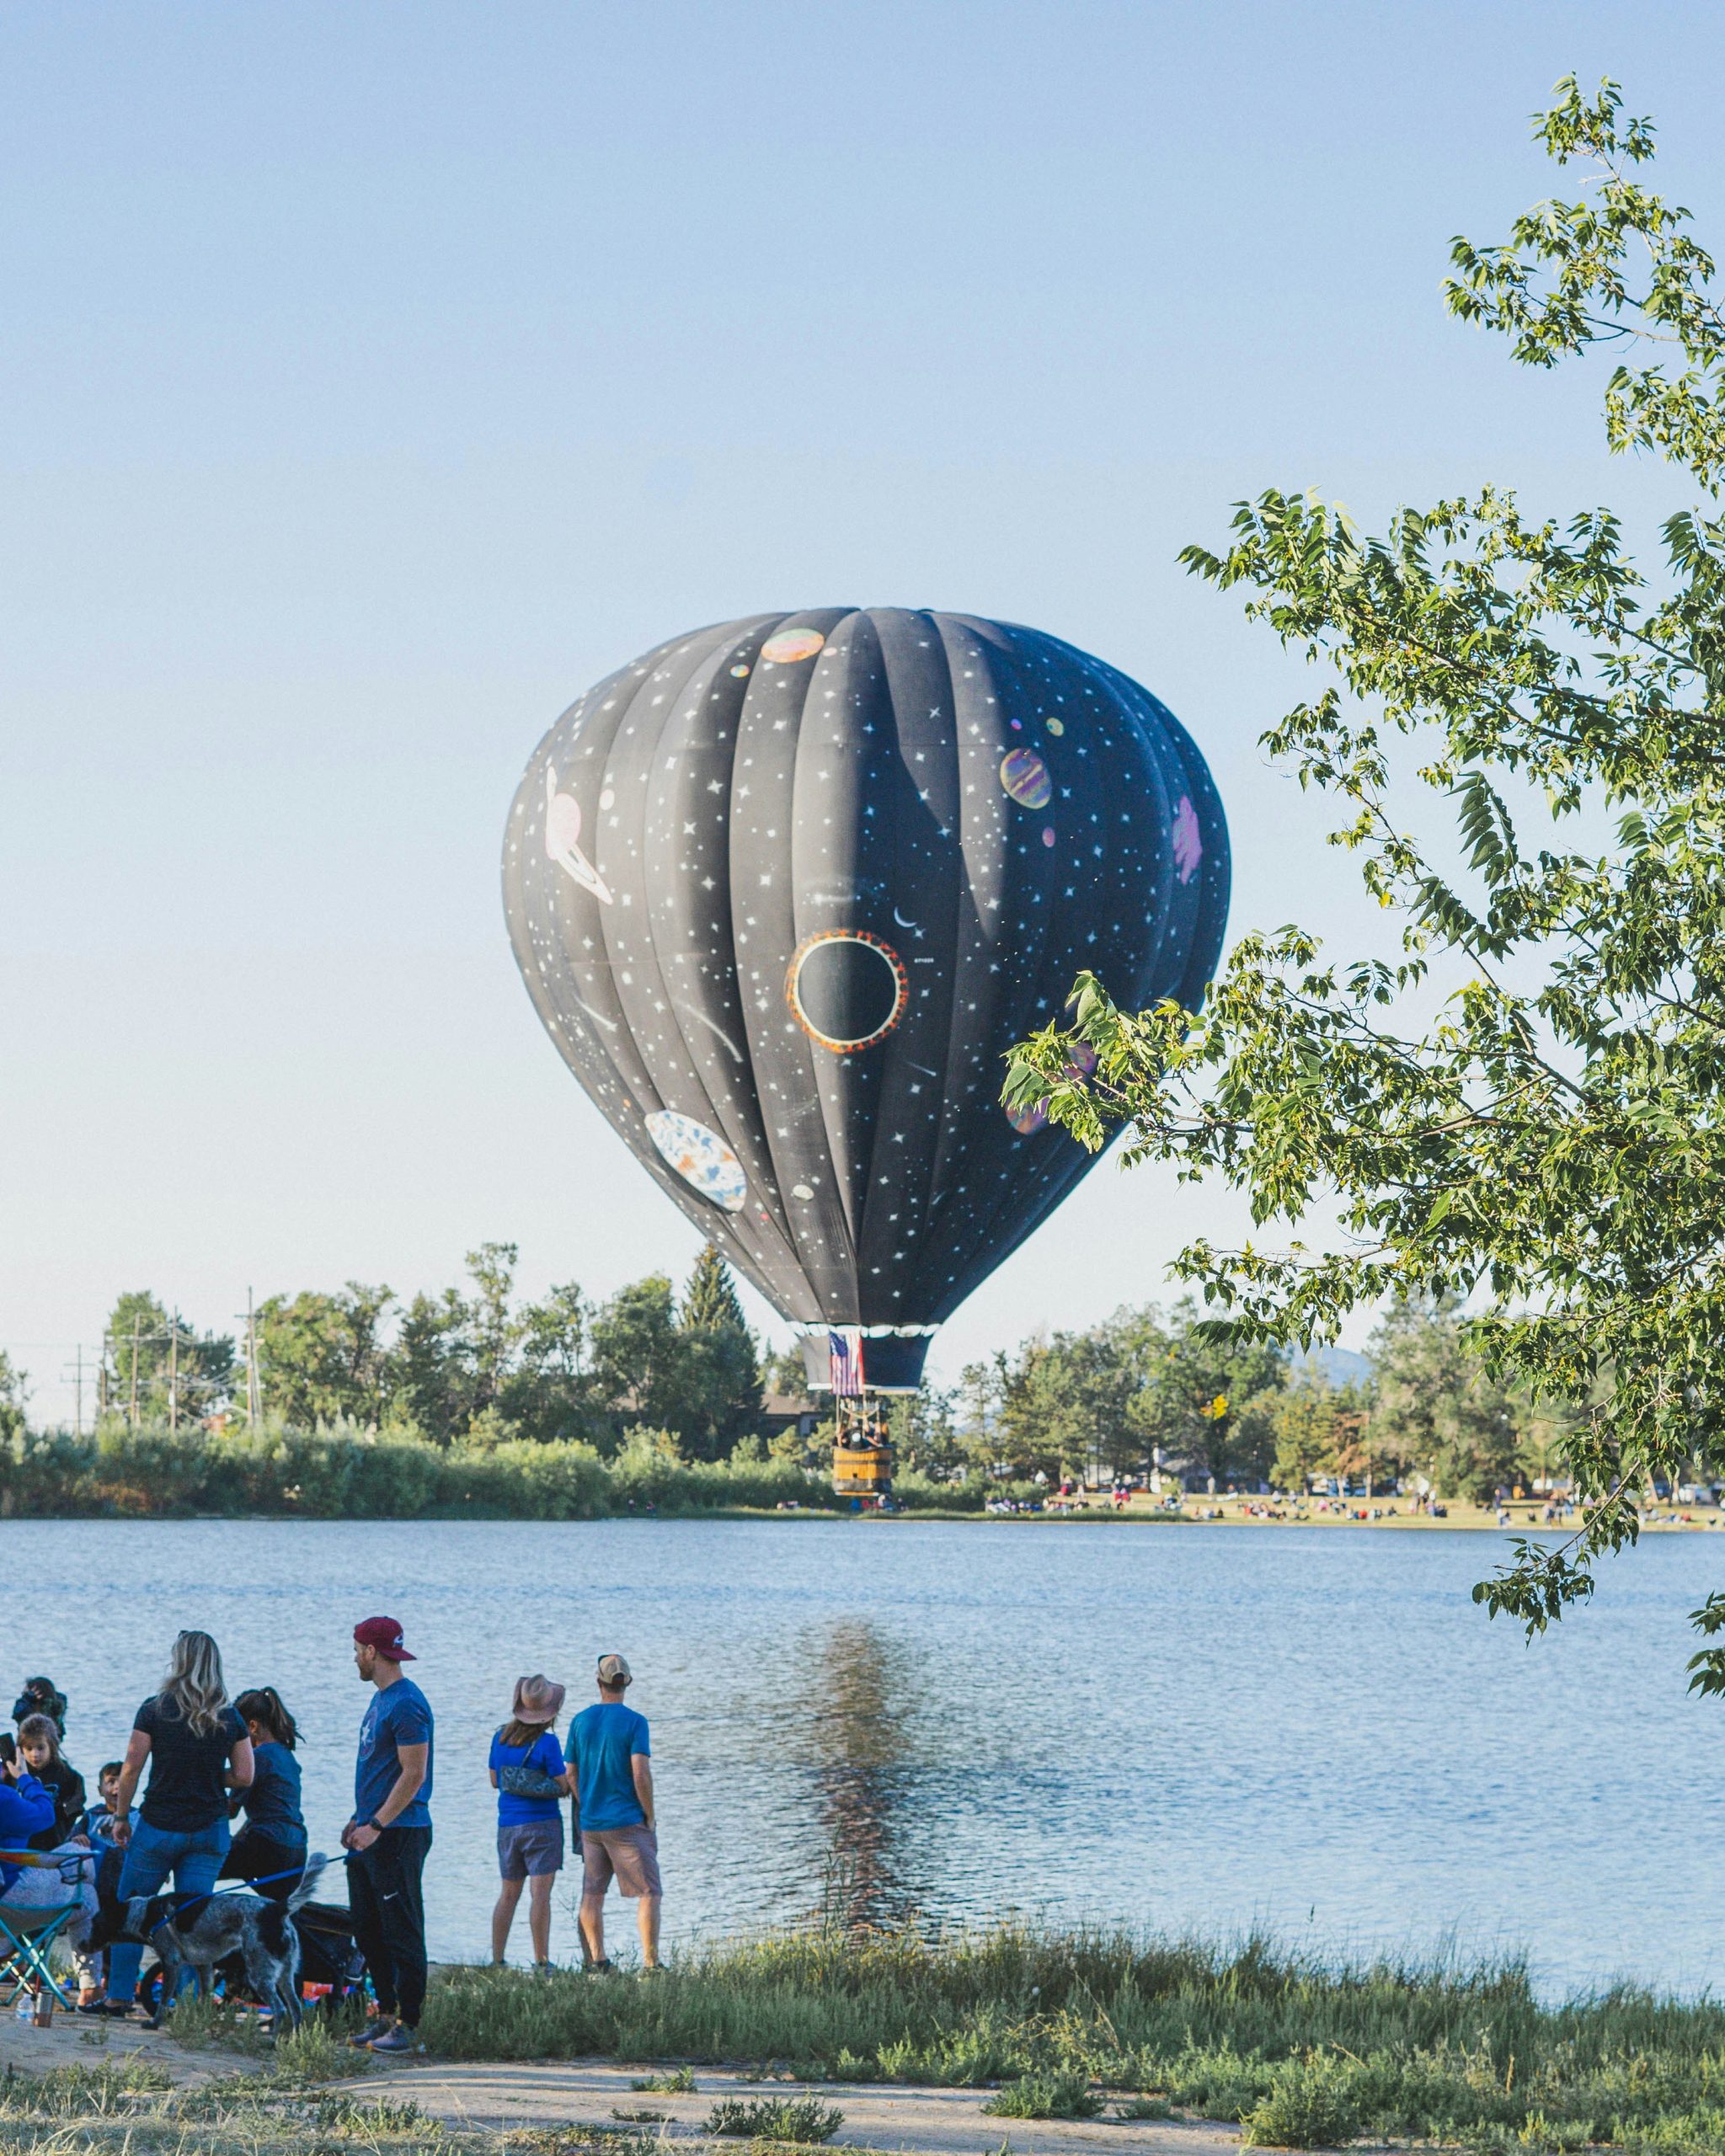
846, 989
563, 838
1055, 727
701, 1157
1027, 1122
790, 645
1025, 776
1189, 840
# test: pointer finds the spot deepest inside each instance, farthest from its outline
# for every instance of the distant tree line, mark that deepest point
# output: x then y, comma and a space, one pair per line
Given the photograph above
470, 1363
1166, 1393
1146, 1391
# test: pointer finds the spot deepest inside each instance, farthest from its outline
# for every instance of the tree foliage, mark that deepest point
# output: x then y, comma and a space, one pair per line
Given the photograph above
1522, 1105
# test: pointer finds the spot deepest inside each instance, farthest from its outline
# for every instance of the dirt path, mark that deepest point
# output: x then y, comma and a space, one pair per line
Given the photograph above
928, 2122
933, 2121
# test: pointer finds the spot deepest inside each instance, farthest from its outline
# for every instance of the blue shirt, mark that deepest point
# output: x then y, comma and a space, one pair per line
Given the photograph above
545, 1754
603, 1739
398, 1714
272, 1803
26, 1808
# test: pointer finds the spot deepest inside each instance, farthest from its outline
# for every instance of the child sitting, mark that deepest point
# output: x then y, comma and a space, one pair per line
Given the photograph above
39, 1749
99, 1819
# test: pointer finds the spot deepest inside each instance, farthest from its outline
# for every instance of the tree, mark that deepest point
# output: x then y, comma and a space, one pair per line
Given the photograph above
640, 1357
14, 1392
1552, 1133
1308, 1426
1438, 1408
551, 1393
322, 1357
159, 1370
1211, 1397
723, 1367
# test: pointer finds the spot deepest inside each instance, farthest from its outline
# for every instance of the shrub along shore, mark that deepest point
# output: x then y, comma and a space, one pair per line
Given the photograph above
1302, 2054
350, 1472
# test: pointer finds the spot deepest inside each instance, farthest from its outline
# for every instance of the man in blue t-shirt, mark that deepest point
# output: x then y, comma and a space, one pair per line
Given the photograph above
611, 1778
390, 1835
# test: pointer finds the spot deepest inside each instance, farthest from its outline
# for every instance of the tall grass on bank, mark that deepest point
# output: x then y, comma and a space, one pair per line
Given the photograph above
348, 1472
1302, 2054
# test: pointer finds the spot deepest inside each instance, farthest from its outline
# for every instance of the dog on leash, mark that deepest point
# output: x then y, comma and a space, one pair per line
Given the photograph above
200, 1934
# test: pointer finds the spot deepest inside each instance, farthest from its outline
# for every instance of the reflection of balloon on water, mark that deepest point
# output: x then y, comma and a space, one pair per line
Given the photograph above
829, 907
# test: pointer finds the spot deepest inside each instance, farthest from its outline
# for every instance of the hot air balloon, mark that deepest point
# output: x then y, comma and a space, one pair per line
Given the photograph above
785, 891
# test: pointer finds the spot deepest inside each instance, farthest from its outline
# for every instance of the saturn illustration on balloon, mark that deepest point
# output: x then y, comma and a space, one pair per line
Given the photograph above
563, 838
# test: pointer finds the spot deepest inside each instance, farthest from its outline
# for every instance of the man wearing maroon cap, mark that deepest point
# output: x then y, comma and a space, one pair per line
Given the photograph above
390, 1835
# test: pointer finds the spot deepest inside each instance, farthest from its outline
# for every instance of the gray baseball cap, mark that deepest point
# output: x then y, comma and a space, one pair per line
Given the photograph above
614, 1670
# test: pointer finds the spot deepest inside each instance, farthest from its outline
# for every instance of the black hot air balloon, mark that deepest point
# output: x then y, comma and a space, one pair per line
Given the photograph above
785, 891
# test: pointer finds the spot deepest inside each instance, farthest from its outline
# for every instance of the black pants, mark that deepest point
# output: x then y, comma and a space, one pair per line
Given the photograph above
389, 1917
256, 1856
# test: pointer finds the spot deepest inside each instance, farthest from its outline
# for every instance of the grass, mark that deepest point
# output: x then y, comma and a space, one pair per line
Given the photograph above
133, 2111
803, 2120
1300, 2053
679, 2083
1045, 2096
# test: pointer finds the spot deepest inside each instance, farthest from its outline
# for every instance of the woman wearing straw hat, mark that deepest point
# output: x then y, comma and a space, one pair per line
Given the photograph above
528, 1774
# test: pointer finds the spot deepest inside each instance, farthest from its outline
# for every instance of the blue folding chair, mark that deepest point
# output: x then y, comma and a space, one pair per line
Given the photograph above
27, 1935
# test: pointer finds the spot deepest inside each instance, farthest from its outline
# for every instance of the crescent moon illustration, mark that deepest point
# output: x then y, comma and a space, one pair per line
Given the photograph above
901, 921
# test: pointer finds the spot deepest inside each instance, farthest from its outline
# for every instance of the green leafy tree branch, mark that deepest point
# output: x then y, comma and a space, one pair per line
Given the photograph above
1523, 1106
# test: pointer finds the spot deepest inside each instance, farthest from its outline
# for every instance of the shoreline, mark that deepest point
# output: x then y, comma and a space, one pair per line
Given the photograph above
1461, 1518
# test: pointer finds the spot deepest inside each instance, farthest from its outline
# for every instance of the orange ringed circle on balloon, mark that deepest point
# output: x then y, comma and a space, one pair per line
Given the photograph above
874, 993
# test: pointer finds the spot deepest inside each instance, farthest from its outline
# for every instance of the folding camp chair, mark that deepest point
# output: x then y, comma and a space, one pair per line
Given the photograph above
27, 1935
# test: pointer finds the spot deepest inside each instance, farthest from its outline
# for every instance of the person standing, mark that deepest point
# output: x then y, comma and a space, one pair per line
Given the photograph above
198, 1749
390, 1835
527, 1773
611, 1771
271, 1848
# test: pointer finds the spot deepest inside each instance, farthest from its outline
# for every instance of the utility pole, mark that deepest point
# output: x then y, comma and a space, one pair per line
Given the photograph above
174, 1372
78, 1393
137, 1324
254, 1383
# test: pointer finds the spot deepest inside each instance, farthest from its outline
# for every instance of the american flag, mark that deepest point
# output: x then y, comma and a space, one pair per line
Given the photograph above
845, 1360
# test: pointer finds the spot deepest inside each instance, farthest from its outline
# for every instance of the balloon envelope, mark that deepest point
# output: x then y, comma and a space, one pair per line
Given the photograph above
786, 890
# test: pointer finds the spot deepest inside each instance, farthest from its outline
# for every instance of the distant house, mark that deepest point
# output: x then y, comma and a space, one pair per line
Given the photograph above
788, 1410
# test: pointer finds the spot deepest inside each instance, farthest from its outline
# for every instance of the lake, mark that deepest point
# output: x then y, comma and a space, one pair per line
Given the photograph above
1311, 1730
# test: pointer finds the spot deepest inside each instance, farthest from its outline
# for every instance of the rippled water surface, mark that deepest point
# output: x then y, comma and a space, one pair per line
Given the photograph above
1192, 1729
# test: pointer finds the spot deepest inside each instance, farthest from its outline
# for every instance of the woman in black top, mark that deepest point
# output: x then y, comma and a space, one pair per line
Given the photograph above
197, 1749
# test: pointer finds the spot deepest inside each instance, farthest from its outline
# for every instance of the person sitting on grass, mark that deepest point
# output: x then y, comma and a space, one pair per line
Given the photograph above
529, 1820
38, 1748
270, 1848
611, 1776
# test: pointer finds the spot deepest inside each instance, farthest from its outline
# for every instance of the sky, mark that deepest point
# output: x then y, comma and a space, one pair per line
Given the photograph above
374, 379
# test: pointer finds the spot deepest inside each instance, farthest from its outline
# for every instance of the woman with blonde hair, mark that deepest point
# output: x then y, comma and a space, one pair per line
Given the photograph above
198, 1750
527, 1773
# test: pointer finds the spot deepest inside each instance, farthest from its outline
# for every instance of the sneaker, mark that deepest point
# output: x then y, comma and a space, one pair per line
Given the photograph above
601, 1969
363, 2039
397, 2040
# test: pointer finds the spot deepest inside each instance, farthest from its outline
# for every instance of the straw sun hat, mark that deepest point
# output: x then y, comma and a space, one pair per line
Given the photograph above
537, 1700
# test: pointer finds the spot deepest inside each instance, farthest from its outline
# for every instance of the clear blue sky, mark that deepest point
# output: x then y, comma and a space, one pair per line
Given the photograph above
375, 378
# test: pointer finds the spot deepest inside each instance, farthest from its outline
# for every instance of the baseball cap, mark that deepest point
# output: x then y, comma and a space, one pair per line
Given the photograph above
614, 1670
383, 1633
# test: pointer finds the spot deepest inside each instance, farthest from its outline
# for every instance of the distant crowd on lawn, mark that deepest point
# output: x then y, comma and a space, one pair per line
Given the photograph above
196, 1762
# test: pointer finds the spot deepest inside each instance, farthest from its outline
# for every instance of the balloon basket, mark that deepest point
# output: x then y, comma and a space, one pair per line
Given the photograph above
862, 1455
